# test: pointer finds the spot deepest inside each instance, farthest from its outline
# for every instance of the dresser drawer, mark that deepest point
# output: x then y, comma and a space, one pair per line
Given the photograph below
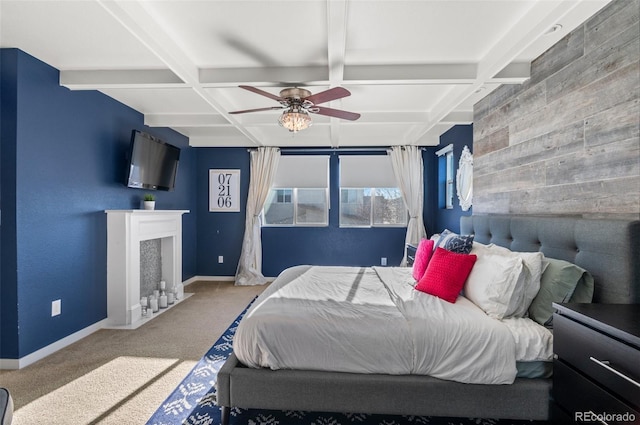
582, 399
599, 357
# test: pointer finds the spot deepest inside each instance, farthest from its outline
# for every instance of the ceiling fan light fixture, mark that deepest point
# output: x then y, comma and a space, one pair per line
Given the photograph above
295, 119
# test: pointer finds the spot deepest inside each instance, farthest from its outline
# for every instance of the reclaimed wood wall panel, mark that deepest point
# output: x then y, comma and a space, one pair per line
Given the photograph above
568, 140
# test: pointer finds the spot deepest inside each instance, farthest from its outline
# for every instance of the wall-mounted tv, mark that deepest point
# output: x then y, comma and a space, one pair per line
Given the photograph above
153, 164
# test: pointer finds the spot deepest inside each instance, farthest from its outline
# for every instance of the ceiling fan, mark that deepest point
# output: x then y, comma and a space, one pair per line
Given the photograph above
298, 103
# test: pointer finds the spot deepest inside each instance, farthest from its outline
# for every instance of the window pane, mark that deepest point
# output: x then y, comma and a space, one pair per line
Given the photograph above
278, 209
388, 207
284, 196
312, 206
355, 207
450, 166
449, 189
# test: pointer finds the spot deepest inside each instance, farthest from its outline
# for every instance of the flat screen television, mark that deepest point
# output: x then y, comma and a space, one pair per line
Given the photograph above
153, 164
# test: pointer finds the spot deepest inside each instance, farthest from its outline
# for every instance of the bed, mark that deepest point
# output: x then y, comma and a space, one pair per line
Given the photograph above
608, 249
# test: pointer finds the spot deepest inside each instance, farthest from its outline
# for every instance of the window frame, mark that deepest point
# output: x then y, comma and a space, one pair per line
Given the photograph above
294, 201
295, 173
449, 181
368, 172
446, 186
371, 224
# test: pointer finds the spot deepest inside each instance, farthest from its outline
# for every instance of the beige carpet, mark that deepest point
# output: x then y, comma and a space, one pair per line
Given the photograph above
122, 376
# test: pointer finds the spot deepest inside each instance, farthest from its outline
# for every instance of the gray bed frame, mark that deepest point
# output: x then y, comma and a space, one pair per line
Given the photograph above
609, 249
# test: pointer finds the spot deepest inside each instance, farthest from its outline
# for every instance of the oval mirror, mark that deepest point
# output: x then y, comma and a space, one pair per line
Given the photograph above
464, 179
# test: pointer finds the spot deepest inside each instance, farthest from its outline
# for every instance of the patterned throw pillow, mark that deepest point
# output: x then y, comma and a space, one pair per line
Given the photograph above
454, 242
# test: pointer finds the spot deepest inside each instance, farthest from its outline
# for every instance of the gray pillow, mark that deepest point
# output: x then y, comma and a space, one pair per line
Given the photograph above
561, 282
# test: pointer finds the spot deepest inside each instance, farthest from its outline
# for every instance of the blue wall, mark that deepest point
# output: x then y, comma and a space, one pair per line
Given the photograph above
220, 233
63, 164
8, 237
438, 218
282, 247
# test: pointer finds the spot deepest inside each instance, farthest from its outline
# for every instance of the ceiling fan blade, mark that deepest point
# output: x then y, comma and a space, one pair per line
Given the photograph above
345, 115
270, 108
263, 93
328, 95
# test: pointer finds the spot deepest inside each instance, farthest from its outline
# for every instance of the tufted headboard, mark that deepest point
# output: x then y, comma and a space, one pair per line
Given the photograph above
608, 249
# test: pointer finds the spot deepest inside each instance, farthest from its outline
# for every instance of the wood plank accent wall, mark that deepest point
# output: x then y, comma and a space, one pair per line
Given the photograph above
567, 141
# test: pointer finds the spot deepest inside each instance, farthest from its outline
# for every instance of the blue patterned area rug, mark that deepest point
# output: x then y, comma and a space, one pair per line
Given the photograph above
194, 402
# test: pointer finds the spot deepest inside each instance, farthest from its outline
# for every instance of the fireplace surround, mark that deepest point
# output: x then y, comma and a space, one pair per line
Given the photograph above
125, 230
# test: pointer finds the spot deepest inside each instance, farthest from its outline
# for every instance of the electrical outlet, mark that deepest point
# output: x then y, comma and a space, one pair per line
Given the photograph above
220, 259
56, 307
383, 261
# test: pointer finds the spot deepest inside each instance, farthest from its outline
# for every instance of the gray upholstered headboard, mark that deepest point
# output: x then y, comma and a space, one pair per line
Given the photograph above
608, 249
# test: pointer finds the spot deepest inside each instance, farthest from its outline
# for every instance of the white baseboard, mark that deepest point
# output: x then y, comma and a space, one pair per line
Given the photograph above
51, 348
25, 361
209, 279
216, 279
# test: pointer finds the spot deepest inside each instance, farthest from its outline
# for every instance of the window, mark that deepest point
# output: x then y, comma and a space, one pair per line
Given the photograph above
368, 196
299, 194
283, 196
449, 189
446, 176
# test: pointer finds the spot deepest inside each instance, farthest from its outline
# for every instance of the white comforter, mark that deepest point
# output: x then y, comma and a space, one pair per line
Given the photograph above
371, 320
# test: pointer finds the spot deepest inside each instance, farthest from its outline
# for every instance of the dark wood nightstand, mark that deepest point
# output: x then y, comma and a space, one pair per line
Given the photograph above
596, 373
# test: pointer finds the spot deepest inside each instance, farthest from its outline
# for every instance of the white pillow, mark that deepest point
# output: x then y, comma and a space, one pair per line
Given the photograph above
527, 285
494, 281
533, 267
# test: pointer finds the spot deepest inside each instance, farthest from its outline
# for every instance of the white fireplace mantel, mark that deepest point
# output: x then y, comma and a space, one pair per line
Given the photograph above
125, 230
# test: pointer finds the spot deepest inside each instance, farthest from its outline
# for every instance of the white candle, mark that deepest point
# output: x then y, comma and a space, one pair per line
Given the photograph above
154, 304
143, 305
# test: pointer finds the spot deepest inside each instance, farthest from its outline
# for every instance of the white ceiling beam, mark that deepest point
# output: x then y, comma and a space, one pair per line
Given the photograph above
458, 117
293, 76
522, 34
207, 141
450, 73
514, 73
534, 22
134, 16
411, 74
336, 49
405, 117
186, 120
337, 40
103, 79
268, 118
265, 76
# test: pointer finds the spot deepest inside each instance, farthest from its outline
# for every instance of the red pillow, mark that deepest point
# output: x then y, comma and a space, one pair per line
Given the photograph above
423, 255
446, 273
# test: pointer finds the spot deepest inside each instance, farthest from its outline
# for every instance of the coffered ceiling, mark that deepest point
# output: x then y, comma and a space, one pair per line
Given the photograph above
414, 68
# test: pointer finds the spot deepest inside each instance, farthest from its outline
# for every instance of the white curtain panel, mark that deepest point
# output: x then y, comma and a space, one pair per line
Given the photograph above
407, 168
264, 164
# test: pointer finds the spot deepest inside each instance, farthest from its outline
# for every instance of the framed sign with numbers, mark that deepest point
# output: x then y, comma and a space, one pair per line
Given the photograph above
224, 190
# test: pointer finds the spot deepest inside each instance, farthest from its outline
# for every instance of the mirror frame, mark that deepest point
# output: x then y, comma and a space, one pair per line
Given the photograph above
464, 179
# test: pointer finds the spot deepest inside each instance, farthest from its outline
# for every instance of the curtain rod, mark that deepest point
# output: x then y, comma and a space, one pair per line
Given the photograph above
332, 150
